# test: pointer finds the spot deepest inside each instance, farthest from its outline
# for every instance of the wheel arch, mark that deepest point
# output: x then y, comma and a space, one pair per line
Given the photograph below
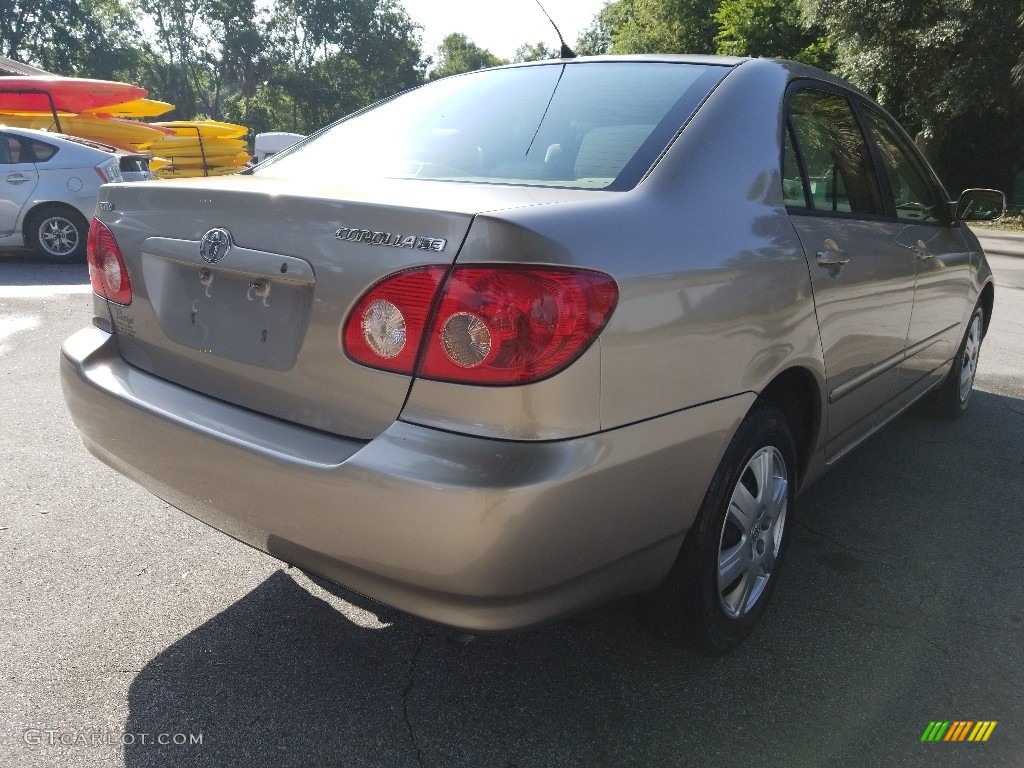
987, 301
797, 393
28, 221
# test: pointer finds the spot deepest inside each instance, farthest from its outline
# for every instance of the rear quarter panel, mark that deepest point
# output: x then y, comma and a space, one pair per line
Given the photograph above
715, 297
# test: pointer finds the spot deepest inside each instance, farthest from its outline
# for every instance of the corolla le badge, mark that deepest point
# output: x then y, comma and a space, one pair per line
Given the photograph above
215, 245
371, 237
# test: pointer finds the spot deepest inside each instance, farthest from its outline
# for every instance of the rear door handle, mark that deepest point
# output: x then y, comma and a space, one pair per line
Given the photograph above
922, 252
17, 178
831, 258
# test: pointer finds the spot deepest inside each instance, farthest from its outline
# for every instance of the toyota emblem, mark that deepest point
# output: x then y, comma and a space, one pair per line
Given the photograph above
215, 245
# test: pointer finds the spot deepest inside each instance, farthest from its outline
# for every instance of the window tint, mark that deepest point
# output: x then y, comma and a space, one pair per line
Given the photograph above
835, 155
14, 149
38, 151
589, 125
794, 192
12, 152
914, 195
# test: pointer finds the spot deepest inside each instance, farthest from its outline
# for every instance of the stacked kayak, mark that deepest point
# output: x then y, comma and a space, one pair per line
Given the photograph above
199, 148
110, 113
135, 109
90, 109
48, 93
123, 134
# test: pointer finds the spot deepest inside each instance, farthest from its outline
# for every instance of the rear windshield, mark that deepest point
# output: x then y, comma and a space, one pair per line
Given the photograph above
597, 125
133, 164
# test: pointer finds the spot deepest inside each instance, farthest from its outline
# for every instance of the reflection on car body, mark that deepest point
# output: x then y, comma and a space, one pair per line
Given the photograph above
557, 333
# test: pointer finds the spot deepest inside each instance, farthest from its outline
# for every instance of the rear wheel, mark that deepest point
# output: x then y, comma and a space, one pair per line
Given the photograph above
58, 234
952, 396
729, 563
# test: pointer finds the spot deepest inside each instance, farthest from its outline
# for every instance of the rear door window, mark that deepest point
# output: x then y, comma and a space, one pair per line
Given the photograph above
39, 151
16, 149
840, 175
794, 186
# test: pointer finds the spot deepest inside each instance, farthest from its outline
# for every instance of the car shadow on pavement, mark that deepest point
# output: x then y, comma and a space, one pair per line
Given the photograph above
22, 267
893, 611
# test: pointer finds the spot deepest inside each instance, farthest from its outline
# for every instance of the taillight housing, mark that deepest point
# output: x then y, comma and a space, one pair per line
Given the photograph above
491, 325
110, 170
107, 271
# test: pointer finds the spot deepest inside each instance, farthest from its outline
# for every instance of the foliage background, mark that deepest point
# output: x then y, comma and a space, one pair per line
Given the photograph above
952, 71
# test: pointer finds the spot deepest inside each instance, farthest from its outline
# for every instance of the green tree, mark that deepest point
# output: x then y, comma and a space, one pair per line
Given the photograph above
86, 38
335, 56
666, 26
774, 28
598, 38
945, 70
178, 74
535, 52
457, 54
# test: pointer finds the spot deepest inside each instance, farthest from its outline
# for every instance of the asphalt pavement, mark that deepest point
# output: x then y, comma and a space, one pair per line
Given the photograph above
133, 635
997, 242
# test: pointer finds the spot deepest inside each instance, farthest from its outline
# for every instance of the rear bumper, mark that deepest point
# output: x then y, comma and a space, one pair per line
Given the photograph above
479, 534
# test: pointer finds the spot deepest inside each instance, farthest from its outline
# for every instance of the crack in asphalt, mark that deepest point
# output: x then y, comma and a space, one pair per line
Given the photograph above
405, 699
894, 626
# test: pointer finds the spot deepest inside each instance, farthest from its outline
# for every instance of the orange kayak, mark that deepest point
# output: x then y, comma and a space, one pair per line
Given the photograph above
69, 94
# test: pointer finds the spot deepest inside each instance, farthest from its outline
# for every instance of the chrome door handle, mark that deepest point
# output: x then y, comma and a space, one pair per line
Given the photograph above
921, 251
831, 258
19, 179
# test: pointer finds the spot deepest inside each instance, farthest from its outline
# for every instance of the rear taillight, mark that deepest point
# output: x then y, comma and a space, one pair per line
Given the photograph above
492, 325
107, 272
110, 170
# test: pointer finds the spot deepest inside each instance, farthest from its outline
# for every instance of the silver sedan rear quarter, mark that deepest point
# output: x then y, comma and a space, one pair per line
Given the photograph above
528, 339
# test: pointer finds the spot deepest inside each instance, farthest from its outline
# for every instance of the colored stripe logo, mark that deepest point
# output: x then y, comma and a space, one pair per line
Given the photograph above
958, 730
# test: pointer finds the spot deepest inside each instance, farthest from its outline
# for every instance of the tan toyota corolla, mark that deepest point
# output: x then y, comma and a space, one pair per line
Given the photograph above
527, 339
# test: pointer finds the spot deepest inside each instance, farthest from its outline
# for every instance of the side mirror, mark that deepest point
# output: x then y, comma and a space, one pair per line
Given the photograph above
980, 205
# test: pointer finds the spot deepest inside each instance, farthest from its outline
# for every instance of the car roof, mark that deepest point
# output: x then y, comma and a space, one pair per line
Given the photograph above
795, 69
675, 58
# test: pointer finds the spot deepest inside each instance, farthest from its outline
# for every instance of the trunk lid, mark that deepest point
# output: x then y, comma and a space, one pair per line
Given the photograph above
259, 325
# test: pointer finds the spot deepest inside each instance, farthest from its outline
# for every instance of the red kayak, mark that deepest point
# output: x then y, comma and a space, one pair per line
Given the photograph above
70, 94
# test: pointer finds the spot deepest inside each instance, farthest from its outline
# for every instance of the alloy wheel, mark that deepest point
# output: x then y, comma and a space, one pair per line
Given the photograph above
752, 532
969, 365
58, 236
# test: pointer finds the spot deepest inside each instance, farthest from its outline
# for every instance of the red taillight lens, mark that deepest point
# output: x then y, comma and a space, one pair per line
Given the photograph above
107, 272
493, 325
386, 328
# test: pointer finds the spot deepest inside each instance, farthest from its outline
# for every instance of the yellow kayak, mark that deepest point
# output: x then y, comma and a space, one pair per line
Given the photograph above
179, 145
134, 109
124, 134
171, 172
15, 113
235, 160
204, 128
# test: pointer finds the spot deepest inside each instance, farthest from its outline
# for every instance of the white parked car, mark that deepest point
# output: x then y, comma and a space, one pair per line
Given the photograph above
48, 188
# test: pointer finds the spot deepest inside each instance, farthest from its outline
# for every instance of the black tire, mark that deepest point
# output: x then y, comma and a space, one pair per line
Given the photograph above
58, 234
951, 397
745, 543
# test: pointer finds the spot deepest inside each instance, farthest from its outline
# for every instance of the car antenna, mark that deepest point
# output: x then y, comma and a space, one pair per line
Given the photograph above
566, 52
